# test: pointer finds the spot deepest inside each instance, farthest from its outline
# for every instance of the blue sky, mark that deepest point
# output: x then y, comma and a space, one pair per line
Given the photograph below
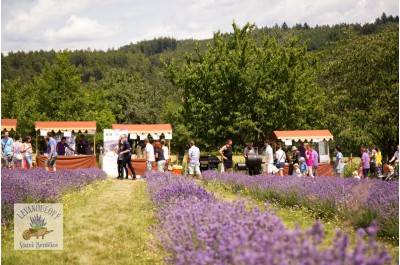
101, 24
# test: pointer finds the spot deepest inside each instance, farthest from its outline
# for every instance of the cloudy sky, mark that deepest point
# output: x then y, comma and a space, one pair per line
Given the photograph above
101, 24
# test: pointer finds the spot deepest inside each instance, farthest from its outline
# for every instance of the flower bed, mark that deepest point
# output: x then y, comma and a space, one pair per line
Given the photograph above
196, 228
38, 185
357, 201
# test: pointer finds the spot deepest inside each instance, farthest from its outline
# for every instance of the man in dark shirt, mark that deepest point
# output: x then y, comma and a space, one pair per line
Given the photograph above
226, 153
83, 146
302, 149
126, 151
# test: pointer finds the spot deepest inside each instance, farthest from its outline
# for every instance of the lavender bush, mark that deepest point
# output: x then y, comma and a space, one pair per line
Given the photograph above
195, 228
38, 185
357, 201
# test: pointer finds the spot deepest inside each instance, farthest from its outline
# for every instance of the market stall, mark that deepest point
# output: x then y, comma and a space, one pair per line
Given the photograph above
320, 138
8, 125
136, 133
67, 129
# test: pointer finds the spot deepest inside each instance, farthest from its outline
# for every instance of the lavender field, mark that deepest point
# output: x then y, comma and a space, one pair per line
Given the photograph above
194, 227
38, 185
358, 202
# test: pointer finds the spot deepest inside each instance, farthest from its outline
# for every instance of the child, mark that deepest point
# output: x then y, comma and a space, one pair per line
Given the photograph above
355, 175
303, 166
296, 170
360, 171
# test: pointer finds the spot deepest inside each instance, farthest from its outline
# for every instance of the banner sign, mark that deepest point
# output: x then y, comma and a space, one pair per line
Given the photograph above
111, 138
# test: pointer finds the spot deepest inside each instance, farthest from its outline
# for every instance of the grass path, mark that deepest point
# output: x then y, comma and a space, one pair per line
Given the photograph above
106, 223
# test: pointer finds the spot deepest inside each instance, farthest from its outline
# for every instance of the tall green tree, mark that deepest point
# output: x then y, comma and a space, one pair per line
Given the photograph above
362, 83
243, 91
55, 95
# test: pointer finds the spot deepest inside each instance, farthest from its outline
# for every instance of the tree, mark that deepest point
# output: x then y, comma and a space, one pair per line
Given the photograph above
55, 95
130, 98
362, 83
243, 91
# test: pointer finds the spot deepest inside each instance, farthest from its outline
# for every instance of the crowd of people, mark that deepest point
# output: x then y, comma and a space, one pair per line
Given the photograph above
303, 160
18, 154
157, 156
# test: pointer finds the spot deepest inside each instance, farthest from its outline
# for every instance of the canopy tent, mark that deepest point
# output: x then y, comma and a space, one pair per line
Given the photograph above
302, 135
142, 130
319, 137
145, 129
8, 124
66, 126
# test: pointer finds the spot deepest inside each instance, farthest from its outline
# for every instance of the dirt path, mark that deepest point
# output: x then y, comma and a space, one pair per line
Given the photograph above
108, 227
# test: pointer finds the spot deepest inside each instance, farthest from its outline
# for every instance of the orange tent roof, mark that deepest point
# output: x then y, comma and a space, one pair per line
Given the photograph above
66, 125
144, 128
302, 135
8, 124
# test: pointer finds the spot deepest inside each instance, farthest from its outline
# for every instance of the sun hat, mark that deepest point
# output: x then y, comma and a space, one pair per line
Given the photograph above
294, 148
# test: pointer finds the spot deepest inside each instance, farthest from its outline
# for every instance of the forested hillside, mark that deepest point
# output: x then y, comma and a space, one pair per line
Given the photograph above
241, 85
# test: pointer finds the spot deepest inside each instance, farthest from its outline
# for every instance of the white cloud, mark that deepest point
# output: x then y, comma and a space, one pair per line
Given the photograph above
44, 12
80, 29
102, 24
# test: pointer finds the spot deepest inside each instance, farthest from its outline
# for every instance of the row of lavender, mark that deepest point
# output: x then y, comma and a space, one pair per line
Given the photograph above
38, 185
356, 201
196, 228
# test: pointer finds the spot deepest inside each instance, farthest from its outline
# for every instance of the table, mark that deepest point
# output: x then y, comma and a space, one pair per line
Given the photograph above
70, 162
324, 169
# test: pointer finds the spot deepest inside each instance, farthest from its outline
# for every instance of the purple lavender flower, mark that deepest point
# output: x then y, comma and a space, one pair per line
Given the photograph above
358, 201
38, 185
194, 228
37, 222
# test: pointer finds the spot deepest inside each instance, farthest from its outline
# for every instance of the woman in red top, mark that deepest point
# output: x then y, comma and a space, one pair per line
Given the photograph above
309, 161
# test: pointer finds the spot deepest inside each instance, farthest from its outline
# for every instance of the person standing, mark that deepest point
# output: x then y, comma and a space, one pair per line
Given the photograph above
309, 161
339, 164
365, 162
27, 151
159, 156
378, 157
16, 150
372, 159
126, 152
294, 158
269, 158
227, 153
149, 155
194, 159
120, 158
83, 146
51, 152
6, 144
62, 145
303, 166
249, 150
314, 155
281, 158
166, 155
302, 149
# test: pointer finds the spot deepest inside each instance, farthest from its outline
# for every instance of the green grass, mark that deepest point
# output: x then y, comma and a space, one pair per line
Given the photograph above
105, 223
297, 217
